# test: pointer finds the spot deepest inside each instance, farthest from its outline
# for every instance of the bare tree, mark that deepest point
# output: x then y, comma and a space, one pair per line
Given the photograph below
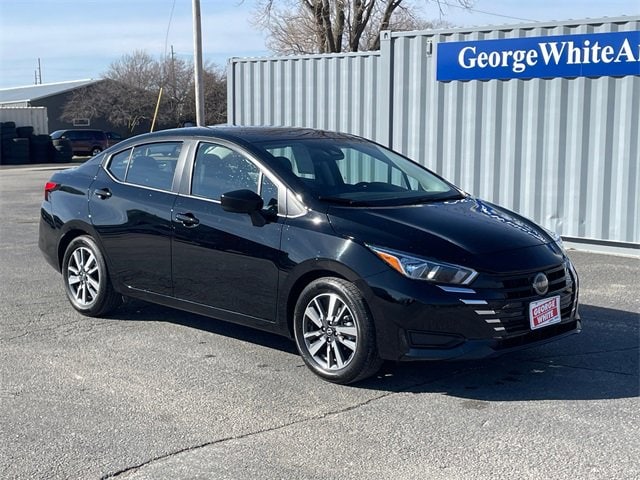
129, 92
332, 26
138, 70
215, 97
215, 94
82, 104
125, 97
177, 75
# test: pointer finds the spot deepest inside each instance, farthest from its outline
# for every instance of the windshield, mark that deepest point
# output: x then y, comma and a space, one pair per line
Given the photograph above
357, 172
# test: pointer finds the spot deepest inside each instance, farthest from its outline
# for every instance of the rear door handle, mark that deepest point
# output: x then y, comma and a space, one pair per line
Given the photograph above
102, 193
187, 219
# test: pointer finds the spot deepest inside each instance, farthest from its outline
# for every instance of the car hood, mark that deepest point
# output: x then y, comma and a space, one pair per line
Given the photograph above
455, 231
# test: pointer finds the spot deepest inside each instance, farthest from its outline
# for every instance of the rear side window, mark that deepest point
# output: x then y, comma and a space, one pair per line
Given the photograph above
152, 165
119, 163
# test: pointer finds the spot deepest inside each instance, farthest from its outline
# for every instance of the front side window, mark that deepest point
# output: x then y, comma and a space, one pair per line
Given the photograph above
219, 169
269, 194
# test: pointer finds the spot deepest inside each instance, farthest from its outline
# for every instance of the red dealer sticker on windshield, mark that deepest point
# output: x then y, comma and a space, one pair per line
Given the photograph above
544, 312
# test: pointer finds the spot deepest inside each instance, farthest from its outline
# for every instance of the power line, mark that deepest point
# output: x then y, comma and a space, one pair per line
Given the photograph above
166, 37
486, 12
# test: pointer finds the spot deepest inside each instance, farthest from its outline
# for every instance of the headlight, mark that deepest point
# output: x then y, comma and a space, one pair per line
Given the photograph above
423, 269
557, 239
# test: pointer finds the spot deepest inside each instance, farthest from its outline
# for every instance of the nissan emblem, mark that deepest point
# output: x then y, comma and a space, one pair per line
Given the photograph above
541, 284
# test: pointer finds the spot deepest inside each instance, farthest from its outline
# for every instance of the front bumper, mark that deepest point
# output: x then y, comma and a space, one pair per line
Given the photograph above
476, 349
420, 321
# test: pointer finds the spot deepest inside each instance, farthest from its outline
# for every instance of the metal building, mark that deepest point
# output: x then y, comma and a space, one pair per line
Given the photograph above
554, 137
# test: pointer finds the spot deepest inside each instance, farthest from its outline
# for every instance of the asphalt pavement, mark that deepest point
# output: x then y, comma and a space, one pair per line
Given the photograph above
154, 393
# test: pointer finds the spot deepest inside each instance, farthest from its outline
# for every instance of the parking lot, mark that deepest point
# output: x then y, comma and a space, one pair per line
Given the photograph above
153, 393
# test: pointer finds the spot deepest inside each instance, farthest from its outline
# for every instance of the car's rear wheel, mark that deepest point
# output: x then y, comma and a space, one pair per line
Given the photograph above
334, 331
95, 151
86, 279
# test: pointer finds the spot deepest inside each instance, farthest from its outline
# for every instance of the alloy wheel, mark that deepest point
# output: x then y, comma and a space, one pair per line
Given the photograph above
330, 331
83, 276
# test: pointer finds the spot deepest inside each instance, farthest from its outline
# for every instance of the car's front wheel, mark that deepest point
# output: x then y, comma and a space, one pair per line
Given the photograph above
334, 331
86, 279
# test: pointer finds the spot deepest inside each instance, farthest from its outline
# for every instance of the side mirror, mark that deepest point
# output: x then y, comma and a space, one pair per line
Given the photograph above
244, 201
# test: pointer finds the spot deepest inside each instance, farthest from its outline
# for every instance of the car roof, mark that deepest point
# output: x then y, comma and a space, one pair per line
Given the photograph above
243, 134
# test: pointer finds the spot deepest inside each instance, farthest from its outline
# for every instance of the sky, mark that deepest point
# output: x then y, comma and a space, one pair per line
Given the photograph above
79, 39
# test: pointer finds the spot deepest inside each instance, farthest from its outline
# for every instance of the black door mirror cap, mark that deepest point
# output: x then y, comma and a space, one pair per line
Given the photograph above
241, 201
244, 201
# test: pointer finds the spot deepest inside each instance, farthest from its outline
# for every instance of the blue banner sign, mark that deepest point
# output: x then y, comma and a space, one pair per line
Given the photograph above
586, 55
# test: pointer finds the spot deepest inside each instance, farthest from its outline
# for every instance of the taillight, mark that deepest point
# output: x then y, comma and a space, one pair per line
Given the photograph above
48, 188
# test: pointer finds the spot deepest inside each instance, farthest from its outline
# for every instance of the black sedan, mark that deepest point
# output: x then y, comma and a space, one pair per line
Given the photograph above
354, 251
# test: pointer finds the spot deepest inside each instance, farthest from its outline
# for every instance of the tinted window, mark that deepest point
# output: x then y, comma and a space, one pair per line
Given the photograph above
358, 167
269, 194
218, 170
119, 163
298, 159
153, 165
352, 171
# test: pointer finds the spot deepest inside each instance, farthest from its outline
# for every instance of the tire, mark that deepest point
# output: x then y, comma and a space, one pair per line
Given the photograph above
39, 149
24, 132
343, 349
95, 151
61, 151
86, 279
15, 151
6, 136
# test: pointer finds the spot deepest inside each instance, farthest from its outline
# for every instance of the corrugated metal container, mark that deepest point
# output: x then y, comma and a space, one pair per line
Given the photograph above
35, 117
334, 92
564, 152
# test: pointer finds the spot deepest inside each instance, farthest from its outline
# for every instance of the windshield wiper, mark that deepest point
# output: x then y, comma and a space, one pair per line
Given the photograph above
432, 198
342, 200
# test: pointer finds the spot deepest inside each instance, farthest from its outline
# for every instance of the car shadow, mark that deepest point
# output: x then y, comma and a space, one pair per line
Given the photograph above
600, 363
138, 310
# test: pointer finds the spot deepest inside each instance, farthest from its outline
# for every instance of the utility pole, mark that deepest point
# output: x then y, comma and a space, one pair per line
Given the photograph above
172, 75
38, 74
173, 69
197, 61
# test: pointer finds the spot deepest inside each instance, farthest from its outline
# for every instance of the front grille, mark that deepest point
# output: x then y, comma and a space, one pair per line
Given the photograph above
510, 317
521, 286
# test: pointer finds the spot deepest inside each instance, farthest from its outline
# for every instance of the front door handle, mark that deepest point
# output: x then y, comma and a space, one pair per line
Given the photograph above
102, 193
187, 219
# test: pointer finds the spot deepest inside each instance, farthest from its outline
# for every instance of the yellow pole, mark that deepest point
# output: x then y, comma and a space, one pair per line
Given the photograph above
155, 114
